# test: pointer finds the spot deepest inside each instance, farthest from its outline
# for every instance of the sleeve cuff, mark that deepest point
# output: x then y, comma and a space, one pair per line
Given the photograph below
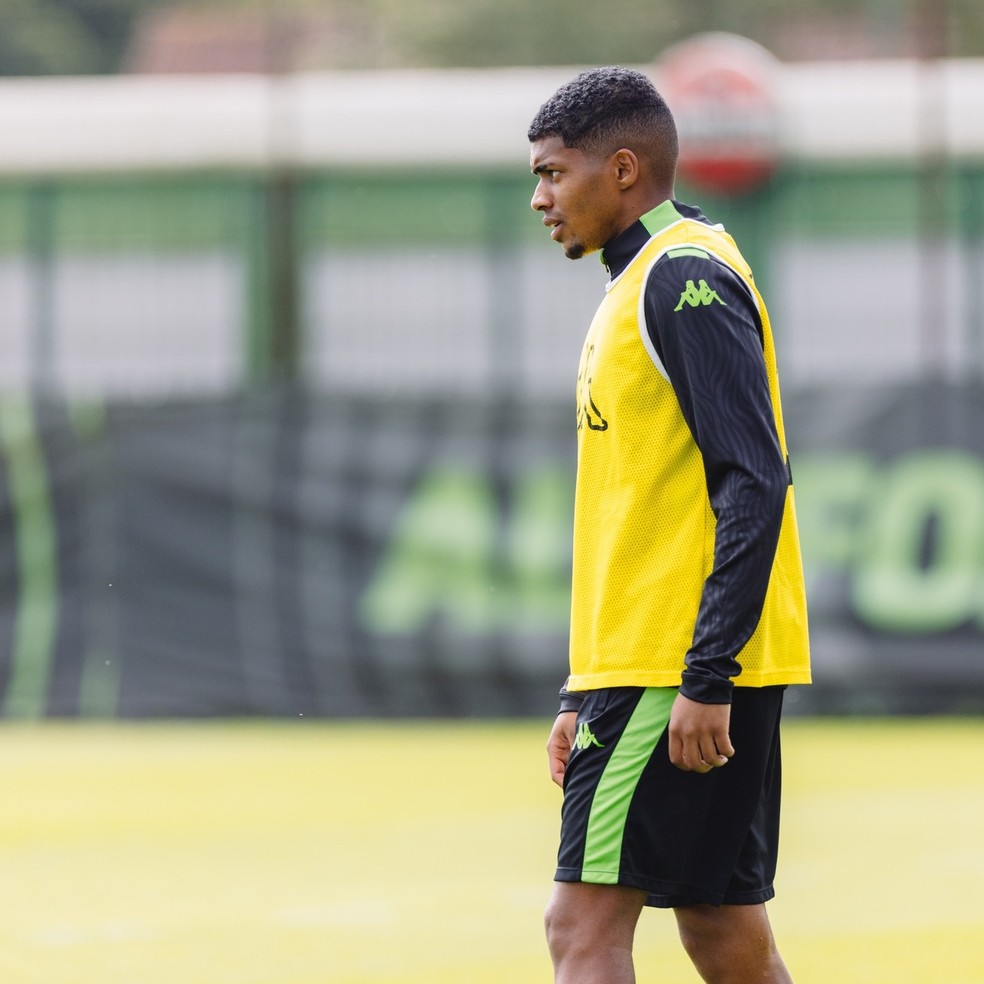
706, 690
570, 700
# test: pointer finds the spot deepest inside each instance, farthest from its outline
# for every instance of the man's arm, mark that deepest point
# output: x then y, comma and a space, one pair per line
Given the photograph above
711, 350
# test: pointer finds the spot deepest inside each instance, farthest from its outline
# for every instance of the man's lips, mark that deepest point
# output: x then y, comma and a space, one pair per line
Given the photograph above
554, 226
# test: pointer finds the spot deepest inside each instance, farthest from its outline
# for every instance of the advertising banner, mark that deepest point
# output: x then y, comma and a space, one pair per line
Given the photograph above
289, 554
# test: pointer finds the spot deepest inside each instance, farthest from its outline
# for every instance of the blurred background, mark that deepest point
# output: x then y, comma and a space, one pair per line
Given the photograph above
287, 363
287, 373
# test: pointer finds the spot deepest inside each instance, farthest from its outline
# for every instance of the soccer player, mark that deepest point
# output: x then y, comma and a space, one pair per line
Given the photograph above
688, 612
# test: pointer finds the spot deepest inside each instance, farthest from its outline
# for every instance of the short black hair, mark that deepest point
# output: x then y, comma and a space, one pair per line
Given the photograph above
604, 109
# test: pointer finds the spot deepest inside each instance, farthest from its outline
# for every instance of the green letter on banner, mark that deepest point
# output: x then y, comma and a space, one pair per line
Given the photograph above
833, 498
37, 564
539, 546
439, 560
907, 579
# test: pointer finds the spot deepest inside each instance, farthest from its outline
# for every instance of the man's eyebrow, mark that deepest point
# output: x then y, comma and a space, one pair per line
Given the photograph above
546, 166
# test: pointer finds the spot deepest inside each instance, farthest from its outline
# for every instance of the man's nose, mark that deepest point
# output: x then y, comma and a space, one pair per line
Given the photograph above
539, 200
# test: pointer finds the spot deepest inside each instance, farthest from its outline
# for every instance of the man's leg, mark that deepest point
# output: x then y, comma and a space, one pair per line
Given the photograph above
731, 944
590, 930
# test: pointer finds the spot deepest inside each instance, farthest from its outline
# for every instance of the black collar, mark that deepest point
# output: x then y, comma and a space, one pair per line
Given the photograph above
619, 252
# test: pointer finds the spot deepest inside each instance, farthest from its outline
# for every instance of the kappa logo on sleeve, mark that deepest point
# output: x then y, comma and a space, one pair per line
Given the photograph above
697, 296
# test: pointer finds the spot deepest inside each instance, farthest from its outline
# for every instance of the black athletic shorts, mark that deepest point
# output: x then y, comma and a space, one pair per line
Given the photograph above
630, 817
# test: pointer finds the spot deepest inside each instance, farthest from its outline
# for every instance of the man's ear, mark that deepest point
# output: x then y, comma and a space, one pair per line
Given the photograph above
626, 168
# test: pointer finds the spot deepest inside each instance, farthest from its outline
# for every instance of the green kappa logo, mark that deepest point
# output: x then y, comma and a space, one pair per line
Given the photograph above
697, 296
584, 738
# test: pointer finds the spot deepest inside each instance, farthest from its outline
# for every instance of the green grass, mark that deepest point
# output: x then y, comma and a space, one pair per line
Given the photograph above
306, 853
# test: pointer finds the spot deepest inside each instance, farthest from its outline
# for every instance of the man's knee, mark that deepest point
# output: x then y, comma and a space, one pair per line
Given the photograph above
570, 921
587, 918
725, 942
560, 923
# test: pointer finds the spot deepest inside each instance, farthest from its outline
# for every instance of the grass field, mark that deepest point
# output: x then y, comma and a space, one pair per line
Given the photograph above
316, 853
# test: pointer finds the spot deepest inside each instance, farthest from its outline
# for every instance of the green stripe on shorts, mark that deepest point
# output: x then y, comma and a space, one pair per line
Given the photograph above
610, 806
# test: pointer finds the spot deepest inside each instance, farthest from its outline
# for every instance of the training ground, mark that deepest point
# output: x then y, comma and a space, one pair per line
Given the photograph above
325, 853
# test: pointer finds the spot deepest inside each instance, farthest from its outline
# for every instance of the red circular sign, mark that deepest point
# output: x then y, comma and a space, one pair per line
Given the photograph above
721, 89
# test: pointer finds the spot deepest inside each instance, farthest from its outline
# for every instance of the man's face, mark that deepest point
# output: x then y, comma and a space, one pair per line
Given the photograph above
578, 195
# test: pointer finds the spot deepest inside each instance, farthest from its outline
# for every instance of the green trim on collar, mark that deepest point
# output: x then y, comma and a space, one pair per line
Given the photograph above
660, 217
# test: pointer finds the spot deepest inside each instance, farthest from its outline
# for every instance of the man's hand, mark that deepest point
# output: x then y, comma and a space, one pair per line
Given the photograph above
559, 745
699, 738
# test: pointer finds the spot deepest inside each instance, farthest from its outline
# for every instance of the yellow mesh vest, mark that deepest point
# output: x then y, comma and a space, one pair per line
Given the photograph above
643, 525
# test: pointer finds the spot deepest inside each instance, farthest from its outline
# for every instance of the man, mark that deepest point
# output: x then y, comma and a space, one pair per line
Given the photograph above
688, 612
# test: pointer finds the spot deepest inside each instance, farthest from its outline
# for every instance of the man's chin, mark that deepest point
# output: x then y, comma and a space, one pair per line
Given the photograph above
574, 251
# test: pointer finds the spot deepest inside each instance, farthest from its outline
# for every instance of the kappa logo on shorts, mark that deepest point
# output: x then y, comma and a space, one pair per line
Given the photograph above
584, 738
